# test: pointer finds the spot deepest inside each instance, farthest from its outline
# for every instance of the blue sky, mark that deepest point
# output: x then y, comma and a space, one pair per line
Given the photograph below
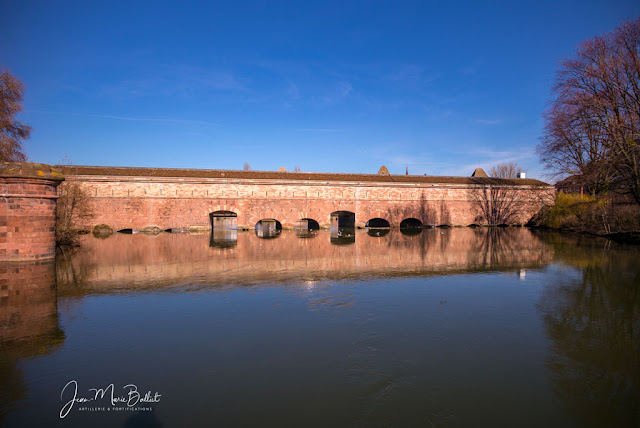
440, 87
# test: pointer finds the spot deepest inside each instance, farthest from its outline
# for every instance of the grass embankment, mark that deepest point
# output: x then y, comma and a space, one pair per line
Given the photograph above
593, 215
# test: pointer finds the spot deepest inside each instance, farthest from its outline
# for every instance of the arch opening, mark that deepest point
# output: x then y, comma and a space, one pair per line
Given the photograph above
306, 228
411, 223
343, 227
268, 228
306, 224
377, 223
343, 219
224, 220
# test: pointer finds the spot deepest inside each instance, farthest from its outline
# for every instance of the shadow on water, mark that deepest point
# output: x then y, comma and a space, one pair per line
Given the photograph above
592, 317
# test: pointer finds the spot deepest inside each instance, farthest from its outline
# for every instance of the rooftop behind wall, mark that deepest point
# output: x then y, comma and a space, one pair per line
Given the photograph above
274, 175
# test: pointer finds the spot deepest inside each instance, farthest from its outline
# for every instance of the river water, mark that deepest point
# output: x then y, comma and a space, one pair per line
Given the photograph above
441, 327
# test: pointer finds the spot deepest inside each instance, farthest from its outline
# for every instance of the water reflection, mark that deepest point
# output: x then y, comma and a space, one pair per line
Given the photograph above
592, 316
223, 238
451, 326
303, 233
28, 324
238, 257
343, 235
377, 232
411, 231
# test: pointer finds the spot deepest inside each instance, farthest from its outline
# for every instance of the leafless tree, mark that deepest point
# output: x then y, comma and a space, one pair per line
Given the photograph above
71, 211
497, 204
246, 166
592, 128
12, 131
505, 170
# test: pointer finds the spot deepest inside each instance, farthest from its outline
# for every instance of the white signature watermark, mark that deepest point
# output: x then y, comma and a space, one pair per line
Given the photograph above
130, 400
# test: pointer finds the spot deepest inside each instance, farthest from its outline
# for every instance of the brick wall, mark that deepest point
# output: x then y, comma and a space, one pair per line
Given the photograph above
27, 211
134, 202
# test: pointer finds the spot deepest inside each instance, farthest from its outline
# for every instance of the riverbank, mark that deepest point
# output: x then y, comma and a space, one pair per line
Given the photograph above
596, 216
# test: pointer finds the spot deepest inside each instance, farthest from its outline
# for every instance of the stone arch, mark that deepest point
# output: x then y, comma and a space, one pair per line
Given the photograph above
411, 223
268, 228
306, 224
343, 219
223, 219
378, 223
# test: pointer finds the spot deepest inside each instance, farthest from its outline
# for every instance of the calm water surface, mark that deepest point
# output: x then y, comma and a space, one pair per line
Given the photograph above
453, 327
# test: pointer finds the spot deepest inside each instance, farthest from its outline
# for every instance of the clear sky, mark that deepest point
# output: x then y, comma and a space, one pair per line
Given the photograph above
441, 87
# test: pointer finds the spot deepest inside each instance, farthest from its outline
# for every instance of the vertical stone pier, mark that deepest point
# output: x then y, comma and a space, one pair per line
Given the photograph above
28, 197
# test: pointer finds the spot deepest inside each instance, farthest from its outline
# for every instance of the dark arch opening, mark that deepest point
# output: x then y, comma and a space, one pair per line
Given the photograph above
343, 219
411, 223
343, 227
306, 228
268, 228
223, 220
128, 231
306, 224
377, 223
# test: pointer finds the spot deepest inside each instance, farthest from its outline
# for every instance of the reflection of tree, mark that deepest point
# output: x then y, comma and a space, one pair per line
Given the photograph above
494, 245
594, 325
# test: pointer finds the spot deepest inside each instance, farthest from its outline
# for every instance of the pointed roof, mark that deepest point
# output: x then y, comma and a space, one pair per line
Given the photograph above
479, 172
383, 170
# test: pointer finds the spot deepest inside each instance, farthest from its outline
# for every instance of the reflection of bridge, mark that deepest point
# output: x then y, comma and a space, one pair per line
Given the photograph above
132, 198
139, 261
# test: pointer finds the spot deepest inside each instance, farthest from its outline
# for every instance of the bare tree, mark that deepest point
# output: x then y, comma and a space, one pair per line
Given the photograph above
246, 166
505, 170
497, 204
592, 128
12, 131
72, 210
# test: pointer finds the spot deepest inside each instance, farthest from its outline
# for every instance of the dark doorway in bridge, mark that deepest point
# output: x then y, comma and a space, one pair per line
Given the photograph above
411, 223
306, 224
268, 228
377, 223
306, 228
224, 220
343, 227
343, 219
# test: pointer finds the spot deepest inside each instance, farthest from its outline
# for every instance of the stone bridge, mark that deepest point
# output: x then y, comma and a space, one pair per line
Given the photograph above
135, 198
